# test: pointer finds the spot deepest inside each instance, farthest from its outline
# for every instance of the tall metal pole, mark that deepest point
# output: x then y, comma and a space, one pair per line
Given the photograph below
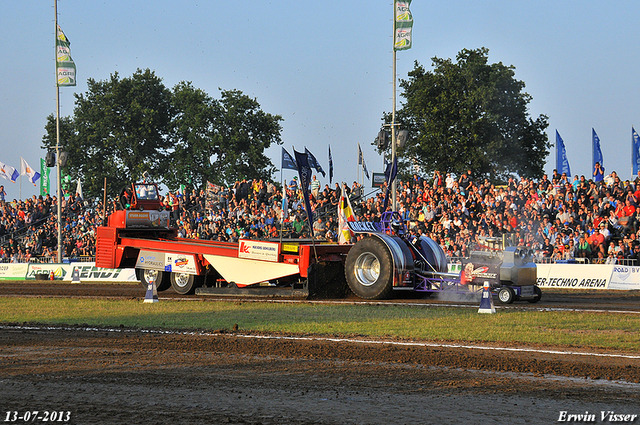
393, 114
58, 191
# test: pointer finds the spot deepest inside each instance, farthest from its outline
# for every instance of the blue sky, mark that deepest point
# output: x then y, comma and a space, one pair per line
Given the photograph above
326, 66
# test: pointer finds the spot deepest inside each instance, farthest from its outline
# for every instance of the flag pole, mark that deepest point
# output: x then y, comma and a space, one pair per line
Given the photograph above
393, 109
58, 191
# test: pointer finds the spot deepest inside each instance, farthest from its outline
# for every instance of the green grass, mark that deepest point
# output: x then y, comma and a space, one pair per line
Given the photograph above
569, 329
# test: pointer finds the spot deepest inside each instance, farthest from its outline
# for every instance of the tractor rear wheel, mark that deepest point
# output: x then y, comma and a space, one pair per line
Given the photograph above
538, 293
369, 269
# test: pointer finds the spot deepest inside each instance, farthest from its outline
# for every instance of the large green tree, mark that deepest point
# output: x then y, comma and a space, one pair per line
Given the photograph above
471, 115
219, 140
124, 127
118, 131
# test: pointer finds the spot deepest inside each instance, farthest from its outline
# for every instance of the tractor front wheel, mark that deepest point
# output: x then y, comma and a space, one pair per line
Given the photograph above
146, 276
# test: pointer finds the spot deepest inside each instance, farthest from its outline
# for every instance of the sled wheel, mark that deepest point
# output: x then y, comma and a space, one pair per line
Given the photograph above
538, 295
184, 283
506, 295
146, 276
369, 269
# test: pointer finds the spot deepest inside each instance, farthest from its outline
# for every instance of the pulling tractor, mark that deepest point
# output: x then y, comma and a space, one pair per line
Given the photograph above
389, 259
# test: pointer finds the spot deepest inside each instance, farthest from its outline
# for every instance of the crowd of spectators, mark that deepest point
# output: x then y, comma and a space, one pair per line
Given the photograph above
560, 218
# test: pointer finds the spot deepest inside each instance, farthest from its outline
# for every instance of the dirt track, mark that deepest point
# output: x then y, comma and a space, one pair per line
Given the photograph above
133, 377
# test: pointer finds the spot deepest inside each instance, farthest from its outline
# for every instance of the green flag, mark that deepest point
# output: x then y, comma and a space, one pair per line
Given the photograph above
65, 67
44, 178
402, 25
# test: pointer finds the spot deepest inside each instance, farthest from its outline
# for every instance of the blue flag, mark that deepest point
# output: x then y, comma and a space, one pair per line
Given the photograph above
635, 147
313, 163
304, 171
287, 161
597, 153
330, 166
562, 162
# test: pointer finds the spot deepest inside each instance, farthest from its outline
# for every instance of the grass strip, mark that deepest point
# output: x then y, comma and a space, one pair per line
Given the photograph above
616, 331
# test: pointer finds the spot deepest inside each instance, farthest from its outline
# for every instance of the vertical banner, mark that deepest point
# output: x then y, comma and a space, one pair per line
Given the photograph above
597, 152
345, 214
390, 173
304, 171
45, 188
361, 162
330, 166
402, 25
65, 67
635, 148
562, 162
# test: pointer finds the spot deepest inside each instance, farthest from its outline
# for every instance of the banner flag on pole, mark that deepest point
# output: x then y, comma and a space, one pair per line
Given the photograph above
313, 163
402, 25
45, 188
390, 174
597, 153
562, 162
285, 203
364, 168
330, 166
304, 171
26, 170
635, 147
361, 162
79, 190
8, 172
288, 162
65, 67
345, 214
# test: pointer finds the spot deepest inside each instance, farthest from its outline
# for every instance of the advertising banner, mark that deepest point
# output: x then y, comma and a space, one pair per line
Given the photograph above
256, 250
625, 278
88, 272
13, 271
574, 276
166, 262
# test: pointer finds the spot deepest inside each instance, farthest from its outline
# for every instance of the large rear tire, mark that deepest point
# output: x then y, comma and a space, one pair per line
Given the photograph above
538, 293
146, 276
369, 269
185, 284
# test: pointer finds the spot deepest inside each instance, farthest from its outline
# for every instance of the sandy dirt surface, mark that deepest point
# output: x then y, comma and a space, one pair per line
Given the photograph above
130, 376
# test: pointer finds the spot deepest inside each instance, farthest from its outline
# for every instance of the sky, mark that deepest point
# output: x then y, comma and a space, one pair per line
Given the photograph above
326, 66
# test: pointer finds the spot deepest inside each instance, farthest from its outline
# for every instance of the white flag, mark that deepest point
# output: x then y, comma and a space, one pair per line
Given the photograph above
26, 170
79, 190
8, 172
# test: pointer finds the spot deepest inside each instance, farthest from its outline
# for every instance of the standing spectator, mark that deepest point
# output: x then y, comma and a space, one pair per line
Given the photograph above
449, 181
598, 173
315, 187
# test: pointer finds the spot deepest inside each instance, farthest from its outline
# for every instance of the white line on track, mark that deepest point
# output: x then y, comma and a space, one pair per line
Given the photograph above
401, 304
329, 339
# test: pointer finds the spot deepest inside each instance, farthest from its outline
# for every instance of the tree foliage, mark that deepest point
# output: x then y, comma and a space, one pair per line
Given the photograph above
220, 140
124, 127
471, 115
